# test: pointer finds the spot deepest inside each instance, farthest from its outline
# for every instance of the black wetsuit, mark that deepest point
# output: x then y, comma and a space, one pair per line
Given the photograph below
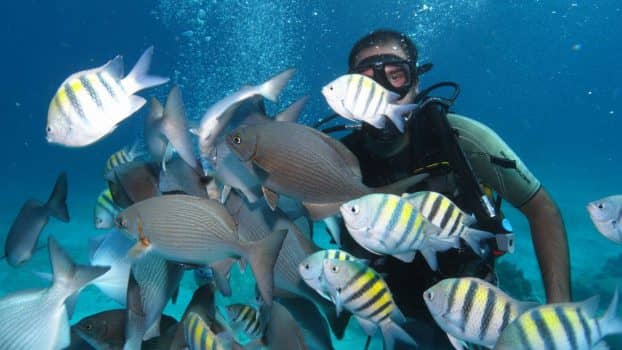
408, 281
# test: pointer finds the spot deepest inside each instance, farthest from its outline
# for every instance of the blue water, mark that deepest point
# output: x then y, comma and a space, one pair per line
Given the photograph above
546, 75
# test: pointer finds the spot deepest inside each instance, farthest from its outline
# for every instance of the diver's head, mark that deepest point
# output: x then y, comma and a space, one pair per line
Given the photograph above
390, 58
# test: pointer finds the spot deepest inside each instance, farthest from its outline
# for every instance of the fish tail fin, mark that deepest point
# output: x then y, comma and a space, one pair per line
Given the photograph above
175, 128
262, 256
67, 274
135, 150
395, 113
57, 204
474, 238
611, 323
272, 88
391, 331
139, 79
291, 113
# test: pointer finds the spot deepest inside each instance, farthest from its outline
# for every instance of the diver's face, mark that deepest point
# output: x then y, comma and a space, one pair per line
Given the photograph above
393, 72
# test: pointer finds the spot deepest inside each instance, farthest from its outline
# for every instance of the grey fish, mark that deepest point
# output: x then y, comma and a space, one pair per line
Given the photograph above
212, 122
32, 218
106, 329
133, 182
158, 279
255, 222
198, 231
110, 249
173, 125
283, 332
228, 169
316, 334
179, 177
305, 164
159, 148
37, 319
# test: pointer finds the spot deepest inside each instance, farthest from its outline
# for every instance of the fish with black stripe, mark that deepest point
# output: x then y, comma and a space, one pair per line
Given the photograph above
359, 98
246, 319
105, 210
446, 215
472, 310
199, 336
312, 267
571, 326
360, 289
91, 103
389, 224
122, 156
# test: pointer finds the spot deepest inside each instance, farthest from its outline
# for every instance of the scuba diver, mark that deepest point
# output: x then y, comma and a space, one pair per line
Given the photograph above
463, 158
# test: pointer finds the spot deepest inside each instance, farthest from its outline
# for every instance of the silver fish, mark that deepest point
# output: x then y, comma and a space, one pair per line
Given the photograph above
159, 148
90, 104
606, 214
158, 280
359, 98
305, 164
110, 249
472, 310
41, 314
212, 122
198, 231
32, 218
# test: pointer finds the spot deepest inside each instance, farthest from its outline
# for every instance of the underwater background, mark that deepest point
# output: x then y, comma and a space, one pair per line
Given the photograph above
545, 75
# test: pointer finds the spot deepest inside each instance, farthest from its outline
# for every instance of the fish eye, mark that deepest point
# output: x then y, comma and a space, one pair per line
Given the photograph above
89, 326
428, 295
306, 266
99, 220
48, 129
355, 209
334, 268
339, 290
237, 140
600, 205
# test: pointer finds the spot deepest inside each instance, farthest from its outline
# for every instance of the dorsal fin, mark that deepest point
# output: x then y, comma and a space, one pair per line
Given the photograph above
114, 67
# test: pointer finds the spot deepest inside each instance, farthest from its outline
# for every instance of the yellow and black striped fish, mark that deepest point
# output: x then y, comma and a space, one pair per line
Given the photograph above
360, 98
105, 210
361, 290
472, 310
198, 334
90, 104
389, 224
120, 157
562, 326
247, 319
446, 215
311, 268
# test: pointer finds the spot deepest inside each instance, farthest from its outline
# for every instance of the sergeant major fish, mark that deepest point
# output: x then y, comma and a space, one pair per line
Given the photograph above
91, 103
359, 98
358, 288
122, 156
472, 310
562, 326
389, 224
105, 210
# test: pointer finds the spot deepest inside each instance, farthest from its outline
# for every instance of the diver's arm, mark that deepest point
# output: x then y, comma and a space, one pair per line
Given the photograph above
551, 245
